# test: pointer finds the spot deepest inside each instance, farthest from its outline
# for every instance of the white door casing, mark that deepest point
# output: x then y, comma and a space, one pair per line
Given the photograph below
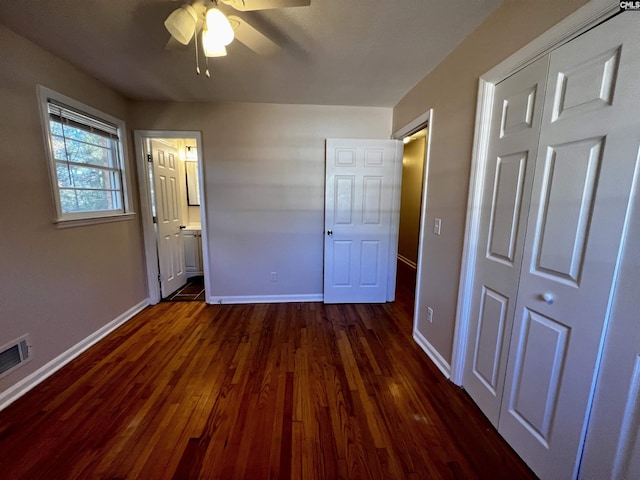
515, 129
359, 203
580, 197
166, 180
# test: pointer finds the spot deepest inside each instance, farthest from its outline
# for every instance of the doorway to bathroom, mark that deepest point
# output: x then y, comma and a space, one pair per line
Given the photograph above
170, 173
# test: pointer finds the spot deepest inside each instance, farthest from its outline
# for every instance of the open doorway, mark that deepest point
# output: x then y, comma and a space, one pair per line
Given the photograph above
415, 173
170, 173
413, 160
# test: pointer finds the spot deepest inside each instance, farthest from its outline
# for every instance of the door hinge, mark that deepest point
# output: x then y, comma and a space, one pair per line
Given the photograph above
159, 279
149, 158
155, 219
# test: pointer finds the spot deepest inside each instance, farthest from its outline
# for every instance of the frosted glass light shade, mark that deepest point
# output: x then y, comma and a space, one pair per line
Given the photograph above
181, 24
210, 47
219, 28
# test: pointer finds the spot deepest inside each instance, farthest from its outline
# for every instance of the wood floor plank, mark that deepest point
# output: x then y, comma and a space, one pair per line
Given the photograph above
278, 391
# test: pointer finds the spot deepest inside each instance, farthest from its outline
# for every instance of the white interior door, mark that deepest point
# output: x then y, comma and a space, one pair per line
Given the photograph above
166, 182
359, 206
586, 159
515, 130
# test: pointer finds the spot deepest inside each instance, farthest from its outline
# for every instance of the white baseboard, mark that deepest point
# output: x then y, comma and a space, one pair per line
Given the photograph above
23, 386
407, 262
265, 299
432, 353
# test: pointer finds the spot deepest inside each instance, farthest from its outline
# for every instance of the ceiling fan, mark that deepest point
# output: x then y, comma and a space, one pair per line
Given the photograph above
218, 30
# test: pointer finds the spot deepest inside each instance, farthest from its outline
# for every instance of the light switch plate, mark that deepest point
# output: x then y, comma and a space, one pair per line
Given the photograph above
436, 226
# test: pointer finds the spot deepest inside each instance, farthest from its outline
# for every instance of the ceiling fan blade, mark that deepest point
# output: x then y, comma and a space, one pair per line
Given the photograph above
251, 37
250, 5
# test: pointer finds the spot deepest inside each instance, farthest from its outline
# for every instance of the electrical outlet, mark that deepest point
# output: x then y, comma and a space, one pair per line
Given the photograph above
437, 222
274, 276
430, 314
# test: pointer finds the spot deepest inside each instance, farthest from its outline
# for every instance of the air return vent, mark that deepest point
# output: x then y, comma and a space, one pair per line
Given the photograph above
14, 354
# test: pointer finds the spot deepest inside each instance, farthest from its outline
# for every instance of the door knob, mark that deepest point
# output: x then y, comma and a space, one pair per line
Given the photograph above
547, 298
329, 232
182, 227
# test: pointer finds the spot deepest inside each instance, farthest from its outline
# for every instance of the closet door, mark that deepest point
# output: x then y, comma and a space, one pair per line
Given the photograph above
586, 160
515, 129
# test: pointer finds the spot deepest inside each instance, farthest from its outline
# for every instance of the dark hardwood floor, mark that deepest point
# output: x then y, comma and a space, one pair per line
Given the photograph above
193, 291
303, 391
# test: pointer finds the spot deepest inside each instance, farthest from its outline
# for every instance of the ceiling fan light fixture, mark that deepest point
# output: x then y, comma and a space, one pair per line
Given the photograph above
218, 27
181, 23
210, 47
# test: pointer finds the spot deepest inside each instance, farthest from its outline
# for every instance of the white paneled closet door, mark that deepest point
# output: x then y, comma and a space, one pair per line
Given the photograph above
515, 130
587, 156
538, 317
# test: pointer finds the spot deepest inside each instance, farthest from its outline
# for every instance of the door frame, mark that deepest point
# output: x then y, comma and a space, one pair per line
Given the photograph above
425, 120
149, 236
583, 19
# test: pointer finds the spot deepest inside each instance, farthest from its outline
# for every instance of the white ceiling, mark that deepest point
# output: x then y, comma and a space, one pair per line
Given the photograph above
334, 52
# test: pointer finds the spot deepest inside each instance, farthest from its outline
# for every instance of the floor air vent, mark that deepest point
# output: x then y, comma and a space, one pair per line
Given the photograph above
14, 354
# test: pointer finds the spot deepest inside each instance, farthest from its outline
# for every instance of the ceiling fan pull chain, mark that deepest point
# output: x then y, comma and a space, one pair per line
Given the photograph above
206, 72
197, 59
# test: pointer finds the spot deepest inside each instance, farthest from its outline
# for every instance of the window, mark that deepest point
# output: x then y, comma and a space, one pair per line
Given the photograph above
86, 159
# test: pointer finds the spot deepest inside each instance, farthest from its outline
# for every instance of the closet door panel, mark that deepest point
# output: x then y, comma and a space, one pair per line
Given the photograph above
566, 204
508, 176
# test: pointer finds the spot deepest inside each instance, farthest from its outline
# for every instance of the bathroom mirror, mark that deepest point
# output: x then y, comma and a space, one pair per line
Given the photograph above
193, 192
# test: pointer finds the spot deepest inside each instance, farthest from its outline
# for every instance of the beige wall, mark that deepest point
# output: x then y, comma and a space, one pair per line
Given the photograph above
264, 185
451, 90
412, 169
58, 285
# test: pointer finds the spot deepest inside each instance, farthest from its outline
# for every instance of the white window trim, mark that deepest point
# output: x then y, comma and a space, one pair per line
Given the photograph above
65, 220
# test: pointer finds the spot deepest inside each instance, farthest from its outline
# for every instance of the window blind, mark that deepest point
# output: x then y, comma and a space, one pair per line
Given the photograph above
68, 116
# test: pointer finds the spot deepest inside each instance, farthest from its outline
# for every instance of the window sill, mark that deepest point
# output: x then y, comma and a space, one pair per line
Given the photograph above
81, 222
